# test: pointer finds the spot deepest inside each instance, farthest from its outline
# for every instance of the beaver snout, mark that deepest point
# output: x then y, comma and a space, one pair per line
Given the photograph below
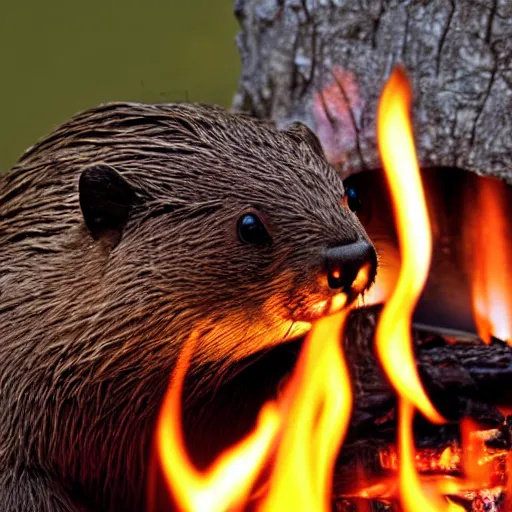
351, 268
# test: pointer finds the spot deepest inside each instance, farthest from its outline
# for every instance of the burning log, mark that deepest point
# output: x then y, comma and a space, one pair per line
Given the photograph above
463, 377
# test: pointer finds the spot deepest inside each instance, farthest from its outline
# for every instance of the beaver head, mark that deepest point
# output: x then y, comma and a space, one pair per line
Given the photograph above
195, 214
133, 225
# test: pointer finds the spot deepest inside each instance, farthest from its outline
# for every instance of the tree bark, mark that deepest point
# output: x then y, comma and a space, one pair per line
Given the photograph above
324, 62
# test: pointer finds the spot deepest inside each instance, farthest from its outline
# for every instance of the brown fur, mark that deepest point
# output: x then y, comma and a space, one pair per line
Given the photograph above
90, 328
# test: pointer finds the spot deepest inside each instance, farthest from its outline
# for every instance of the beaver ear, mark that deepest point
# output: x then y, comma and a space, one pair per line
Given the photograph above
106, 199
300, 132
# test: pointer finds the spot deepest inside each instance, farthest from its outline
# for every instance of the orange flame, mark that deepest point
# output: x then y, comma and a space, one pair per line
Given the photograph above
315, 424
474, 454
228, 482
309, 421
508, 487
492, 270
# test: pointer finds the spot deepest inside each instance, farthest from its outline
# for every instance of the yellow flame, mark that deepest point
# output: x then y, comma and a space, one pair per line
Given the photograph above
393, 336
453, 507
228, 482
320, 403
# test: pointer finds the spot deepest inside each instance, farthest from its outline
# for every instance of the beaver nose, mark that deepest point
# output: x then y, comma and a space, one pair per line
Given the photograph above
348, 262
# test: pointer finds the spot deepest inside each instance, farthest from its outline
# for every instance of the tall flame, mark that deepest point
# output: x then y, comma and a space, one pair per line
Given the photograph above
320, 403
393, 336
492, 267
396, 146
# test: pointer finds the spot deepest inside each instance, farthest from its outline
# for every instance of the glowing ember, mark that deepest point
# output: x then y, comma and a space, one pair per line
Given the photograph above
474, 454
492, 268
482, 464
448, 459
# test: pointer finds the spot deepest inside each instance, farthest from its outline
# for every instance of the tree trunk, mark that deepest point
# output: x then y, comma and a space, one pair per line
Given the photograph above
324, 62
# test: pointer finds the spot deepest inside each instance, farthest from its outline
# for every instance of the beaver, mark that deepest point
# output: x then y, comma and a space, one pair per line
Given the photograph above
122, 232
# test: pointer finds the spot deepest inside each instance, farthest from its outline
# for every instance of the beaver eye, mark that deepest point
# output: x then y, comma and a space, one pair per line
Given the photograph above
352, 199
251, 230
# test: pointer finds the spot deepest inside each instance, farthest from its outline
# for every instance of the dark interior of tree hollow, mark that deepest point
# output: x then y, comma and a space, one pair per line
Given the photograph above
450, 194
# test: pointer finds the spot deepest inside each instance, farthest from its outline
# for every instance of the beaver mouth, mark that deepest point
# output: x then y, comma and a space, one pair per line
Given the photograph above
314, 311
311, 310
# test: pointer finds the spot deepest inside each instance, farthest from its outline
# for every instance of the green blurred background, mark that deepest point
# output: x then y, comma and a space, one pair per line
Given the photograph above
60, 56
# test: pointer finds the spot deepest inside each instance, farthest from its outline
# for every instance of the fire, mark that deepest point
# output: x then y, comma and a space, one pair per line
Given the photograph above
314, 424
393, 337
296, 439
474, 455
492, 270
228, 482
398, 155
307, 423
